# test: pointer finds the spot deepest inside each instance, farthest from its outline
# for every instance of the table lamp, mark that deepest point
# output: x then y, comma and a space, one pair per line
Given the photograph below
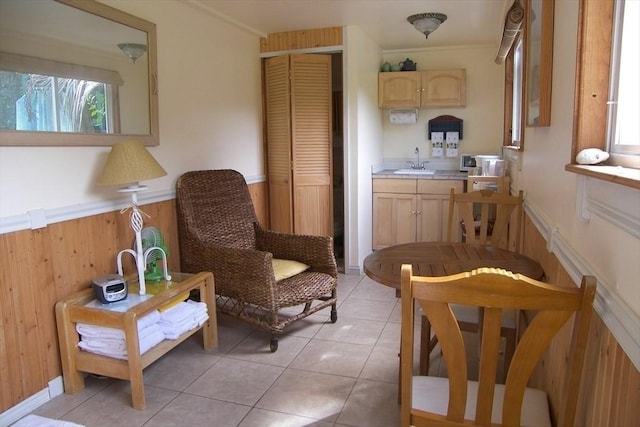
128, 163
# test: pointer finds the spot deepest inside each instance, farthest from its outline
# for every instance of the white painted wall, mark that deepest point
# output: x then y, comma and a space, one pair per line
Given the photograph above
483, 115
365, 141
210, 115
593, 226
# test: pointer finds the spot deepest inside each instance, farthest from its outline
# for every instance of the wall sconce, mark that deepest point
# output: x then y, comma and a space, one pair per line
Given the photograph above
133, 50
128, 163
427, 23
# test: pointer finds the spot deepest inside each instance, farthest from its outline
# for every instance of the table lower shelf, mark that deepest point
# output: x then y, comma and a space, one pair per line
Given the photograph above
119, 368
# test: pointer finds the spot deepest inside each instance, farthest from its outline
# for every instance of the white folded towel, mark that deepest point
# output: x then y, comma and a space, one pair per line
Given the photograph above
182, 318
178, 313
93, 331
117, 348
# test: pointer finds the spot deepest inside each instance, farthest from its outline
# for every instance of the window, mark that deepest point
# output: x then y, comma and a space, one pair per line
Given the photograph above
36, 102
624, 104
591, 108
514, 93
41, 95
518, 73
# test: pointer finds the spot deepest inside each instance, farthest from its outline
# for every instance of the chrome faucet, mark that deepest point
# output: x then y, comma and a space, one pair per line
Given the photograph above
417, 164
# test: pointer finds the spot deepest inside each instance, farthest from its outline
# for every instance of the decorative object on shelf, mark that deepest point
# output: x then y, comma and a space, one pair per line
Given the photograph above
128, 163
427, 23
591, 156
408, 65
133, 50
386, 67
396, 67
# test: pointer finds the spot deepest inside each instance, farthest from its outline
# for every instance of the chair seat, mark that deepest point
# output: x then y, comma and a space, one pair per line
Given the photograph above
303, 287
431, 394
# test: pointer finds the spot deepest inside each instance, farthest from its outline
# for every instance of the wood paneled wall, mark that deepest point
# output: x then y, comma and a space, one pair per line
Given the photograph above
610, 388
305, 39
40, 267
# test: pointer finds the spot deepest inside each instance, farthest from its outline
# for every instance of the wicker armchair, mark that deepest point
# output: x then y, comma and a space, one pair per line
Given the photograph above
219, 232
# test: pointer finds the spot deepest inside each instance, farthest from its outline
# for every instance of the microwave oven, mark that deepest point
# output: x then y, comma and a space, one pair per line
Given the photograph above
468, 161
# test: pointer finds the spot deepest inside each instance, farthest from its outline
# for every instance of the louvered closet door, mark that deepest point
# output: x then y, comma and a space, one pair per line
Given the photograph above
299, 167
311, 144
279, 143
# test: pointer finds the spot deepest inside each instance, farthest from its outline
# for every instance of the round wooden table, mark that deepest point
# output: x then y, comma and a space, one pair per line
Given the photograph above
444, 259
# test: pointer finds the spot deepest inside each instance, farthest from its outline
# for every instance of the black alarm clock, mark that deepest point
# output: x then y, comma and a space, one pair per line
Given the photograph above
110, 288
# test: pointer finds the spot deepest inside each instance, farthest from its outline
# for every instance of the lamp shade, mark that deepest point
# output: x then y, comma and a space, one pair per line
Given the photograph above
129, 162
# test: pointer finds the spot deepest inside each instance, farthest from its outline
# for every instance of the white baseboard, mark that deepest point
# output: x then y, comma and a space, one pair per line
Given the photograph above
24, 408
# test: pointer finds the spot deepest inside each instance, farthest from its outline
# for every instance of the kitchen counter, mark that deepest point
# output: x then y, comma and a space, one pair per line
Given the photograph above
439, 174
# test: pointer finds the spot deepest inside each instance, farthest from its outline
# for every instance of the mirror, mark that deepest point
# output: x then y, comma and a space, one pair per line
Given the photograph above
538, 59
64, 81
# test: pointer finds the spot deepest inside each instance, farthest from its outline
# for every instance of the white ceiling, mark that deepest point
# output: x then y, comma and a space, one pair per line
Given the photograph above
469, 22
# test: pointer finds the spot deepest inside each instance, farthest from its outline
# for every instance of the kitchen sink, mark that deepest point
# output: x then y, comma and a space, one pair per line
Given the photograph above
415, 172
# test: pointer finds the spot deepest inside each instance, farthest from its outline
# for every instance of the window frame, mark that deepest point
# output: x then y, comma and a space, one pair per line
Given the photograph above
510, 107
593, 67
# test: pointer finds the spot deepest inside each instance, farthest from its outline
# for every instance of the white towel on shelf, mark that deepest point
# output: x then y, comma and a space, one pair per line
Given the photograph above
182, 317
148, 338
93, 331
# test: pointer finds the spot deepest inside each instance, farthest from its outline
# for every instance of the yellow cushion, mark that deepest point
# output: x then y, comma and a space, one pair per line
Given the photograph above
285, 268
177, 300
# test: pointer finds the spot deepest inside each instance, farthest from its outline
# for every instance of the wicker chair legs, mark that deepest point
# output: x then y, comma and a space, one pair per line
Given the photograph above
273, 344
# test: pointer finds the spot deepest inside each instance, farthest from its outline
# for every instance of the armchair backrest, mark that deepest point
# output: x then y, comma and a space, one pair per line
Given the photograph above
215, 206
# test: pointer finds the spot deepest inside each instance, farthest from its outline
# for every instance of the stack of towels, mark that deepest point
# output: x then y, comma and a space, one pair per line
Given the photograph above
182, 317
152, 329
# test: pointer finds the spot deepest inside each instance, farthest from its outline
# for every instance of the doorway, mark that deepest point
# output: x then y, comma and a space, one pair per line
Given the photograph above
338, 160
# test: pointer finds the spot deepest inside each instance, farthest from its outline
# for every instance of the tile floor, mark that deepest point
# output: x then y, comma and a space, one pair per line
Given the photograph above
323, 374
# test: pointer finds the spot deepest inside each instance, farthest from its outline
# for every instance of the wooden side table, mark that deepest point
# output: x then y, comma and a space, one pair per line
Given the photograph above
81, 307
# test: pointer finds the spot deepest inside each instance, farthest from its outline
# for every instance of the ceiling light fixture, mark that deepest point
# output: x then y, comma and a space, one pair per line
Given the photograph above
133, 50
427, 23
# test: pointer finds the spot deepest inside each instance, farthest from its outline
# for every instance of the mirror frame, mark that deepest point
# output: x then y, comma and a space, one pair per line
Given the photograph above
25, 138
538, 82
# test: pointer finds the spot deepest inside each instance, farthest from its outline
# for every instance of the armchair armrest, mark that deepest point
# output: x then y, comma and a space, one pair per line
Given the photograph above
315, 251
242, 274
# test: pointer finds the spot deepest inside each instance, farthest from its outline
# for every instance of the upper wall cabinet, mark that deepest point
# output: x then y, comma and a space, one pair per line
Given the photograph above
444, 88
399, 89
422, 89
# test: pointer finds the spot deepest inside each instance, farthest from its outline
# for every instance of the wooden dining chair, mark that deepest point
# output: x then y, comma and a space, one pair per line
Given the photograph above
500, 184
496, 218
457, 399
